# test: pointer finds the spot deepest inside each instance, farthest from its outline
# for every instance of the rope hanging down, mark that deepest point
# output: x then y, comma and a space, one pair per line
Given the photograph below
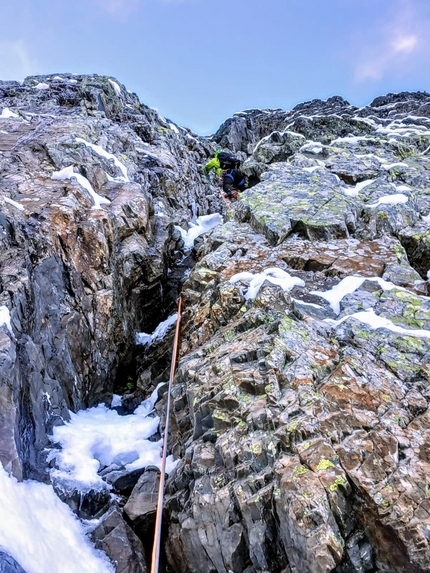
160, 501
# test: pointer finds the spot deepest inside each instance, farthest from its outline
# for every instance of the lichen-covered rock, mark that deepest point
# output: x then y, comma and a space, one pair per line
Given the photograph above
301, 420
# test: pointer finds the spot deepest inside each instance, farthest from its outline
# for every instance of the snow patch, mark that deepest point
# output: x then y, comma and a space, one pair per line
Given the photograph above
311, 169
5, 317
402, 188
312, 147
42, 533
274, 275
41, 86
103, 153
116, 401
68, 173
7, 113
389, 166
159, 333
313, 305
100, 437
347, 286
354, 191
390, 200
203, 225
115, 87
14, 203
352, 140
374, 321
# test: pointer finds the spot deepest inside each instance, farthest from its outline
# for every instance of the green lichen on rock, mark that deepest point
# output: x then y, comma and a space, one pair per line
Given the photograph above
300, 471
340, 480
324, 464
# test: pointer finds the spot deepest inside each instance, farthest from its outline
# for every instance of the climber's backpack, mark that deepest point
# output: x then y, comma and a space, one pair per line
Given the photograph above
228, 161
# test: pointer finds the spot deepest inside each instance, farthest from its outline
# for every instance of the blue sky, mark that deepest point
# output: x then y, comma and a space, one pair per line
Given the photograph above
199, 61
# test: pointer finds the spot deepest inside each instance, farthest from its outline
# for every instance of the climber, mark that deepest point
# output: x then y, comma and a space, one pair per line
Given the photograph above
222, 160
233, 181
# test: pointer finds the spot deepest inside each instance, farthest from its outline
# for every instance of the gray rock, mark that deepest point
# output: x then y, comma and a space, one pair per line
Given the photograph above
142, 503
8, 564
113, 536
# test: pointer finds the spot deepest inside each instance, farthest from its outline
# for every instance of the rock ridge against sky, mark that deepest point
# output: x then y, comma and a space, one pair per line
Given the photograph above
175, 57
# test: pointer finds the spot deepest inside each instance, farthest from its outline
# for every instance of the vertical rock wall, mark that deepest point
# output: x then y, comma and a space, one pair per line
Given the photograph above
77, 280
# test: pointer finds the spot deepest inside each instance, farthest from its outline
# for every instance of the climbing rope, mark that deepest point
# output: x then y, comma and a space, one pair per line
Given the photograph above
160, 501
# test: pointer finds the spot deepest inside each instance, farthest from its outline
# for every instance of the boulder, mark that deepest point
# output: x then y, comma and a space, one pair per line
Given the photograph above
113, 536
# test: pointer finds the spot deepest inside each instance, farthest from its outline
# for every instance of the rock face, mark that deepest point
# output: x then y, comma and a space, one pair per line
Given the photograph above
304, 426
78, 281
300, 412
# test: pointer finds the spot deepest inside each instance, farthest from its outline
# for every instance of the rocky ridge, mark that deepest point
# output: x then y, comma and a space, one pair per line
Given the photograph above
303, 432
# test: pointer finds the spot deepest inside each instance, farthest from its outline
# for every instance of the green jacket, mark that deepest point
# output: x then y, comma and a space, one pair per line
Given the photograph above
214, 164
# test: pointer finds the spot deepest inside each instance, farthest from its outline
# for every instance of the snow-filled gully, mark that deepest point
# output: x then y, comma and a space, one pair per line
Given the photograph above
36, 526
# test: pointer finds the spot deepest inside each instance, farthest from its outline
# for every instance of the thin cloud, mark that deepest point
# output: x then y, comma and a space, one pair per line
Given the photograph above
394, 46
15, 60
406, 44
119, 9
123, 9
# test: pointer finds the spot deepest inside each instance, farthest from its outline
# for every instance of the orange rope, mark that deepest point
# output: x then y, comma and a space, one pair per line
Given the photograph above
160, 501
